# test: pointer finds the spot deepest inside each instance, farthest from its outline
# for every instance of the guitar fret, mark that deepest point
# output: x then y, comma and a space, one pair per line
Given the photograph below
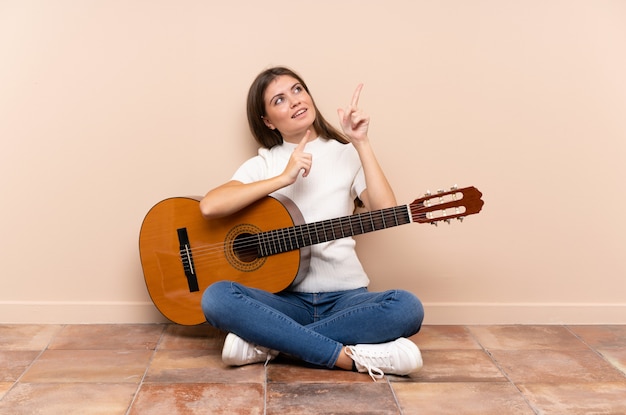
275, 239
310, 236
294, 238
314, 233
288, 242
266, 243
278, 240
283, 240
299, 237
259, 239
325, 229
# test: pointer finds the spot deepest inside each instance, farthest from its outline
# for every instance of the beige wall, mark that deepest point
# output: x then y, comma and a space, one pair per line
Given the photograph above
107, 107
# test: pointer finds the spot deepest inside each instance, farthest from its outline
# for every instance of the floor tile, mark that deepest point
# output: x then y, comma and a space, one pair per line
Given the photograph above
284, 371
526, 338
445, 337
191, 399
612, 337
27, 336
4, 388
68, 399
493, 398
201, 337
13, 363
616, 357
89, 366
173, 369
577, 399
326, 398
198, 366
108, 337
552, 366
455, 366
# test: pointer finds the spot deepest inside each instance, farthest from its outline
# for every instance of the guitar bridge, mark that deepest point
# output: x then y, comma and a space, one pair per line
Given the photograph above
186, 258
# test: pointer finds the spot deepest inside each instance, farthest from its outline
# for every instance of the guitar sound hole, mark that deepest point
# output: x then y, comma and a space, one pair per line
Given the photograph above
245, 247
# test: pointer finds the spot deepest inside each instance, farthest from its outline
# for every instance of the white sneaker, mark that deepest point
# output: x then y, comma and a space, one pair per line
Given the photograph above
238, 352
399, 357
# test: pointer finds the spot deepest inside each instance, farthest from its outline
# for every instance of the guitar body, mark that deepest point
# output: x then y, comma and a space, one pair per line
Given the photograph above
216, 255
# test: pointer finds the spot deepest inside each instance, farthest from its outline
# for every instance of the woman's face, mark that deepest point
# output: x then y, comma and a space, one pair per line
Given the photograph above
289, 108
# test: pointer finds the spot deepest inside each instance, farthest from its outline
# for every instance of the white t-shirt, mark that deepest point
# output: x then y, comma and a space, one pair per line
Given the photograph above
335, 179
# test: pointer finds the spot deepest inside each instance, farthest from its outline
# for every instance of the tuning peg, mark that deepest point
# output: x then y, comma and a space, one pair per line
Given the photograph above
427, 193
460, 218
434, 223
440, 191
447, 221
455, 187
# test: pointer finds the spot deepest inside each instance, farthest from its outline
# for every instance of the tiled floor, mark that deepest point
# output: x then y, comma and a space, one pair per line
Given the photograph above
171, 370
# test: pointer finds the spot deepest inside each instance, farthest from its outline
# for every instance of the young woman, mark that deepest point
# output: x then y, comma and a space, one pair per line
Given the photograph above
328, 318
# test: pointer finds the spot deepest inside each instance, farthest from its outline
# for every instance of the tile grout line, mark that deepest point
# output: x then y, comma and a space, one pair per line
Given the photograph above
594, 350
145, 372
27, 368
506, 376
265, 390
395, 397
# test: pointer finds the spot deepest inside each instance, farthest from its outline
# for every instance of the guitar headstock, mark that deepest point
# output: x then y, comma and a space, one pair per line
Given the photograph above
446, 205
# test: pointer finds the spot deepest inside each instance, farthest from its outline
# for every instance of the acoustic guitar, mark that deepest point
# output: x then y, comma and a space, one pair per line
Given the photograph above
265, 245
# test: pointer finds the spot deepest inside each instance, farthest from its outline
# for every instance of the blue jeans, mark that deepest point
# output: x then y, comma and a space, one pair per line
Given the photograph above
312, 327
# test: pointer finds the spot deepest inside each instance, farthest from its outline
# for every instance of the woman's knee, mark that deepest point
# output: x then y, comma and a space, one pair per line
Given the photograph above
213, 298
412, 309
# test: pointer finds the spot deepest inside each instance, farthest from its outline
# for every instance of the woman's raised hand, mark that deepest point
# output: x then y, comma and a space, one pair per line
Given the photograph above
354, 122
299, 160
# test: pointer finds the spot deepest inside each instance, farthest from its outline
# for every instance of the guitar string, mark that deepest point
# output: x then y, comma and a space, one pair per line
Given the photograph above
300, 232
205, 254
330, 224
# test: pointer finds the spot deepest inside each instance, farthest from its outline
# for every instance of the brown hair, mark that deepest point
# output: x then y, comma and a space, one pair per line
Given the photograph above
267, 137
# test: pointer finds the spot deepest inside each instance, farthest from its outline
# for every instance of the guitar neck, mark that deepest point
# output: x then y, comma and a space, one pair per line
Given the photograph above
288, 239
443, 206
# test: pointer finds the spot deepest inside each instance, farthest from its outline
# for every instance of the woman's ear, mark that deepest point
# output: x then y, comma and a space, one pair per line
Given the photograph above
268, 123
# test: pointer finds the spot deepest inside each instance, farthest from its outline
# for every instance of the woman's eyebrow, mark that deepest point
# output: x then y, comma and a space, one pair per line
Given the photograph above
282, 93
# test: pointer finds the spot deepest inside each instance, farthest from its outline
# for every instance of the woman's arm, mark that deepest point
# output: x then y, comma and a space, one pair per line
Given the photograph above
378, 193
234, 195
355, 124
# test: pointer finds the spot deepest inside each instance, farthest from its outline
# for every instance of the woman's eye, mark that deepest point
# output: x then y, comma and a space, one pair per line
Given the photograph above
297, 89
278, 100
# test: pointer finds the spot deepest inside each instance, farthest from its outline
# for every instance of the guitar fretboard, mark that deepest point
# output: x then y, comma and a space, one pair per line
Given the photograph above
288, 239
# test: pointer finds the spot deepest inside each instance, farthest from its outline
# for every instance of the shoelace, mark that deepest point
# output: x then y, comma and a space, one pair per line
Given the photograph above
268, 354
267, 360
367, 362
